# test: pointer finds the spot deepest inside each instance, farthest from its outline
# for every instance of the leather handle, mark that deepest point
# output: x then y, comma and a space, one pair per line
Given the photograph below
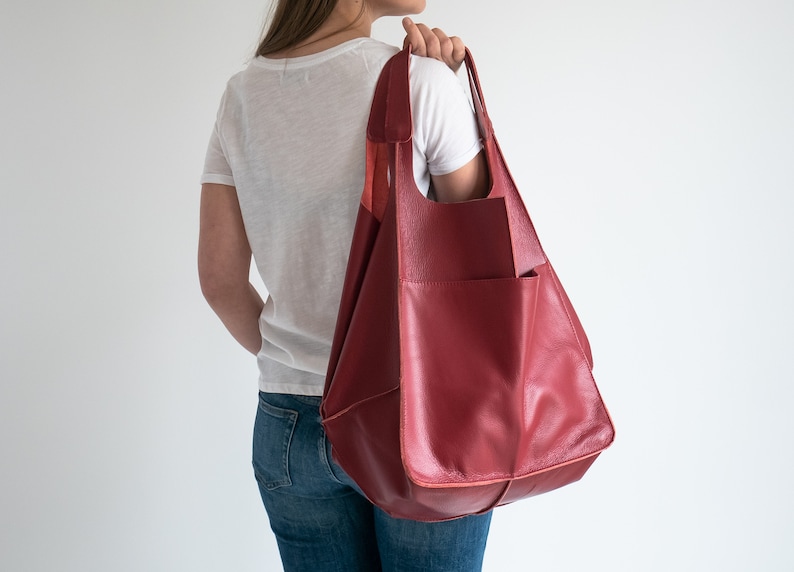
483, 120
390, 117
389, 148
391, 126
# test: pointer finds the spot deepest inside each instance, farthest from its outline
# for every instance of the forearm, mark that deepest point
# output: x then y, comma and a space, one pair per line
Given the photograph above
224, 261
239, 309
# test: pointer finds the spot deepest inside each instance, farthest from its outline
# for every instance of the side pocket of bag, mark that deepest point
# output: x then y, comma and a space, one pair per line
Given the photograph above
465, 349
273, 430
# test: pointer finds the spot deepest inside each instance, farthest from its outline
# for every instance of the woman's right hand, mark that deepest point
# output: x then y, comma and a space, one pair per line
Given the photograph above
434, 44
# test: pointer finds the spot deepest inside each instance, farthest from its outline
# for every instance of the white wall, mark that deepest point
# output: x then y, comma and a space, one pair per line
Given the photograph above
654, 145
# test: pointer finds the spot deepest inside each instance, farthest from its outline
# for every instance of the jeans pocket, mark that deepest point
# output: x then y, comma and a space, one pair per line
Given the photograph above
273, 430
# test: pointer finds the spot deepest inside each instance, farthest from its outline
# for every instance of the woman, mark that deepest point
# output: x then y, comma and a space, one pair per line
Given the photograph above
282, 181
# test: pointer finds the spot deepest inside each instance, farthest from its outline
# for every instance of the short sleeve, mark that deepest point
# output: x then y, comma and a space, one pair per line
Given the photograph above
216, 164
445, 127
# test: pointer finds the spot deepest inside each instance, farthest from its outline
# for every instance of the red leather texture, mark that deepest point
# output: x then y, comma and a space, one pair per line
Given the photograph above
460, 377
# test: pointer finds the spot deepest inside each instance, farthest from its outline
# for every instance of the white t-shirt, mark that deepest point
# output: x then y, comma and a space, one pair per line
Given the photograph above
291, 136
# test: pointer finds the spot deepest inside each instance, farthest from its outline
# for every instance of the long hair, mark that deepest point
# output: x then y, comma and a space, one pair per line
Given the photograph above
292, 22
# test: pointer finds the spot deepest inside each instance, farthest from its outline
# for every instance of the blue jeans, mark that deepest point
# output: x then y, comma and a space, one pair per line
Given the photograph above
321, 520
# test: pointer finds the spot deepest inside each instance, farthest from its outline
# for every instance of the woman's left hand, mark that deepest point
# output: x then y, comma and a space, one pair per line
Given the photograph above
434, 44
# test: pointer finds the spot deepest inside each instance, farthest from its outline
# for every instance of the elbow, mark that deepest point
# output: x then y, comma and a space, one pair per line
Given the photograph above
216, 286
223, 273
211, 288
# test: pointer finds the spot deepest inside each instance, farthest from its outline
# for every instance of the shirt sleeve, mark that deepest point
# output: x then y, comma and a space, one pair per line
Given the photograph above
216, 164
445, 127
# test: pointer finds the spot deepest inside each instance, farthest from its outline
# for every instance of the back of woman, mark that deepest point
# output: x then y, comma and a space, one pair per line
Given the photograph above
291, 131
282, 181
290, 137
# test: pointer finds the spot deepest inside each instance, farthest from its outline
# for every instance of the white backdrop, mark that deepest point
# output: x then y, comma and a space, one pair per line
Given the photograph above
654, 145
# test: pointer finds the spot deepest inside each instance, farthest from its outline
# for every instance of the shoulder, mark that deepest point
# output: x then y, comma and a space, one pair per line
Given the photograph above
431, 69
431, 74
242, 86
377, 49
234, 85
375, 54
432, 80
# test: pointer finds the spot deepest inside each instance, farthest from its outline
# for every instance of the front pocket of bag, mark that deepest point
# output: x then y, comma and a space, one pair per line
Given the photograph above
465, 347
273, 430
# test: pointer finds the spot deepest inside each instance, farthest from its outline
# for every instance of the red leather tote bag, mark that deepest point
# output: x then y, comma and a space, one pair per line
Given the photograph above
460, 377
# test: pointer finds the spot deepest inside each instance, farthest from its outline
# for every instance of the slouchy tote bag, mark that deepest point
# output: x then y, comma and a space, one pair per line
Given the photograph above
460, 377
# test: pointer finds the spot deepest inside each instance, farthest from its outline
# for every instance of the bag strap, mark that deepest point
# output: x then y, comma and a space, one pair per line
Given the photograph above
389, 135
483, 120
390, 117
391, 124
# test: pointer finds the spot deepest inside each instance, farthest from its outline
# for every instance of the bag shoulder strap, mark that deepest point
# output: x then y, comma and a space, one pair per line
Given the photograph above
389, 135
390, 116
